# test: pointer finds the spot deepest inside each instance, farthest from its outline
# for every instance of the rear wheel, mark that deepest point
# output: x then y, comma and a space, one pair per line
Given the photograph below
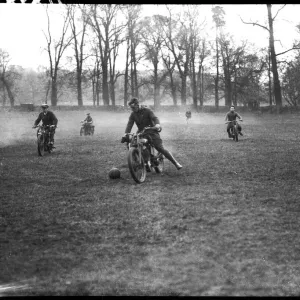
40, 144
92, 130
136, 165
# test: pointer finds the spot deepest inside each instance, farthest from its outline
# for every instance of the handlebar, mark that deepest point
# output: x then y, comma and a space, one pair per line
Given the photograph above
233, 121
143, 131
44, 126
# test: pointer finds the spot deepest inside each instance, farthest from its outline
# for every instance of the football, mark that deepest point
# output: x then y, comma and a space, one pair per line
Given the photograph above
114, 173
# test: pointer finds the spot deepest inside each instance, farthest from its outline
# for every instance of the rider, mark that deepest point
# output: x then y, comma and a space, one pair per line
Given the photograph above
144, 117
231, 116
188, 115
48, 118
88, 120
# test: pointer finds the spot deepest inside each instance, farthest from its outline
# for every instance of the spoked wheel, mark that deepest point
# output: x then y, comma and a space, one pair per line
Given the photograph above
137, 169
235, 135
92, 130
81, 131
40, 144
159, 159
49, 148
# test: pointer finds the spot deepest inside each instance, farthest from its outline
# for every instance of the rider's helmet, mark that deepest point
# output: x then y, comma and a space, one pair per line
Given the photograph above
44, 105
133, 101
88, 114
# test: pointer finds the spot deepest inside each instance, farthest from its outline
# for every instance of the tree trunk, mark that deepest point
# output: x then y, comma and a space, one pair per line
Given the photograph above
105, 90
277, 88
53, 92
112, 92
98, 90
94, 87
156, 88
9, 93
227, 82
136, 90
183, 90
173, 90
194, 85
217, 76
234, 96
270, 80
79, 88
126, 76
4, 96
201, 90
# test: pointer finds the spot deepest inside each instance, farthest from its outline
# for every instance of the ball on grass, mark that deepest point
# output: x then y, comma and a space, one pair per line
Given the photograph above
114, 173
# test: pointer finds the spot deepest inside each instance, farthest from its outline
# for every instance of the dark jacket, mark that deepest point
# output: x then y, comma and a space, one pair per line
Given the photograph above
231, 116
47, 119
143, 118
88, 119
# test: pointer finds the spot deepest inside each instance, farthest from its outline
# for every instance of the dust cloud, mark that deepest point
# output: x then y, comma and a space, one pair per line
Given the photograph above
16, 126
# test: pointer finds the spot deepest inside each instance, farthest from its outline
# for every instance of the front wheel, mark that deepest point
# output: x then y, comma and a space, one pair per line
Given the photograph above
159, 163
235, 135
81, 131
40, 144
136, 165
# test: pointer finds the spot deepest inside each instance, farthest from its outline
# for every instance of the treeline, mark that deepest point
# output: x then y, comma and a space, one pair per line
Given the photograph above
173, 58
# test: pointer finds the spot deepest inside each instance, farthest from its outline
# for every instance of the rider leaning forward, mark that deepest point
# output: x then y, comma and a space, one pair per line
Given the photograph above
88, 119
48, 118
231, 116
145, 117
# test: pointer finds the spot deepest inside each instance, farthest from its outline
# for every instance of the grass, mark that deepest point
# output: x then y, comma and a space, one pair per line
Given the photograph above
226, 224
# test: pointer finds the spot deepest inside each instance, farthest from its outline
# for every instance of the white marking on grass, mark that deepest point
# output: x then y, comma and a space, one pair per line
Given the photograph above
11, 287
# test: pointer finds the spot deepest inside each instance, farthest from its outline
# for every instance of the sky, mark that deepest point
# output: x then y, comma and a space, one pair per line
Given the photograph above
22, 26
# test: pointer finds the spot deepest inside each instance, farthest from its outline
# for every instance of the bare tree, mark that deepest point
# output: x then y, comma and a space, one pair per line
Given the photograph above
230, 56
170, 66
116, 41
5, 77
202, 52
176, 40
152, 42
100, 18
55, 51
78, 44
218, 18
134, 27
270, 29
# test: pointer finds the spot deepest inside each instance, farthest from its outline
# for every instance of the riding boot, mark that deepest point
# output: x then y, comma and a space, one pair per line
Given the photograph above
228, 131
171, 158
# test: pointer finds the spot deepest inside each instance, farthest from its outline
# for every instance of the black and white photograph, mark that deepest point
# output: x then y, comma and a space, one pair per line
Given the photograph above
149, 149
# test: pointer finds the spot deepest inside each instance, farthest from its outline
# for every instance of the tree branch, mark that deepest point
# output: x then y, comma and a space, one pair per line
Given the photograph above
294, 48
252, 23
278, 12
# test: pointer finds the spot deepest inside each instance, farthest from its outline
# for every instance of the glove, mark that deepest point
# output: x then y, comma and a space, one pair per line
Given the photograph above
124, 139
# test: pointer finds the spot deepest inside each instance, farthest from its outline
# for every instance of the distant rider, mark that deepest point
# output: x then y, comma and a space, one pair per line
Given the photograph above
48, 118
88, 121
144, 117
188, 115
231, 116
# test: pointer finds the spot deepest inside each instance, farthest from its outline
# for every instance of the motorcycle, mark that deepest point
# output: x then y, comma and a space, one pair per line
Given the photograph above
44, 139
142, 155
86, 128
233, 131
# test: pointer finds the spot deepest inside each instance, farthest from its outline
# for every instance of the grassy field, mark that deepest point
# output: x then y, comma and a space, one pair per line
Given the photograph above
226, 224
